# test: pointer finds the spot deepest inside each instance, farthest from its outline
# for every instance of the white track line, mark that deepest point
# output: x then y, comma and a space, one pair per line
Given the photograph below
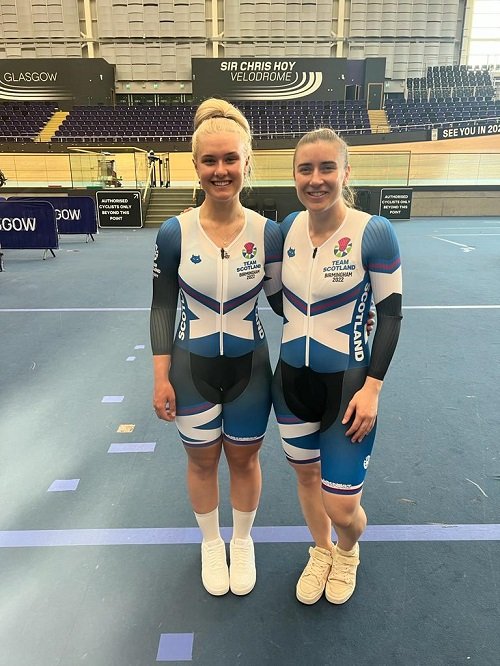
477, 234
465, 248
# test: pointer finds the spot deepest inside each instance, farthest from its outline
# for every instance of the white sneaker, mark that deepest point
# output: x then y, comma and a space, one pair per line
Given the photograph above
242, 574
342, 579
214, 571
312, 581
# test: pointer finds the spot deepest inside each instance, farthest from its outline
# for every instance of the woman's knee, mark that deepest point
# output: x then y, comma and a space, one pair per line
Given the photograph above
203, 462
242, 459
342, 511
308, 476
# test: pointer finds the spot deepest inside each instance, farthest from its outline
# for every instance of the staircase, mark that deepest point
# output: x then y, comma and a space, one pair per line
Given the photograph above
51, 126
378, 121
165, 203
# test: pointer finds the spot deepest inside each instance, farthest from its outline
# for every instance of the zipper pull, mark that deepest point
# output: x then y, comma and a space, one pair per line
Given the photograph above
314, 252
222, 253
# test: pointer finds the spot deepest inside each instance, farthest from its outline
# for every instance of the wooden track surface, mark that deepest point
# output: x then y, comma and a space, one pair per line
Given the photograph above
481, 144
474, 160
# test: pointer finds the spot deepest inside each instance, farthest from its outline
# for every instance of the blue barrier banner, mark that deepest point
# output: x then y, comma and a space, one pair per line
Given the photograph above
26, 225
74, 215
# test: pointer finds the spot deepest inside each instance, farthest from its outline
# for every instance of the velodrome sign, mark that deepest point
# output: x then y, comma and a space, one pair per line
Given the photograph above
72, 80
269, 78
483, 128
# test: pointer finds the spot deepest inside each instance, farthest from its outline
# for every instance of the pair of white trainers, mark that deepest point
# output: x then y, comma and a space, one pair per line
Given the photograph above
332, 572
217, 577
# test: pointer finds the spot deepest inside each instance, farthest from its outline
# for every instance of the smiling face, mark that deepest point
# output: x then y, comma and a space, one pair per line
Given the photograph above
221, 164
320, 173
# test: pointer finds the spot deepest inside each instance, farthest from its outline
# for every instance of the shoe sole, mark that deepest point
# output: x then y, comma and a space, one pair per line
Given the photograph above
338, 602
242, 591
308, 602
216, 593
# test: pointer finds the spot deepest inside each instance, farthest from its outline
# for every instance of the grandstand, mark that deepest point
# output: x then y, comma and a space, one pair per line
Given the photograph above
449, 101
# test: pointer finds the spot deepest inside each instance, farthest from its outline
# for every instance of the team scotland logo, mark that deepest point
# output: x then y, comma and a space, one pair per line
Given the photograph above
195, 258
291, 252
343, 247
249, 251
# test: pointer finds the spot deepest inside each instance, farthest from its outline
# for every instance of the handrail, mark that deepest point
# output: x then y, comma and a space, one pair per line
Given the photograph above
148, 183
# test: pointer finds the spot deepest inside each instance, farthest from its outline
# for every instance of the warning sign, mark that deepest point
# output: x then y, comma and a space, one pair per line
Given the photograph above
119, 210
395, 204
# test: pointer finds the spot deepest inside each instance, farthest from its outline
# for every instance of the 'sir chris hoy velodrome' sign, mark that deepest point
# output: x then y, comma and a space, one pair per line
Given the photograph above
266, 78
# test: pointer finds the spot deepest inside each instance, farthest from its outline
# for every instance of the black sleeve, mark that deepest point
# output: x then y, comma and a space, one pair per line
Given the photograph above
165, 287
276, 302
389, 316
273, 241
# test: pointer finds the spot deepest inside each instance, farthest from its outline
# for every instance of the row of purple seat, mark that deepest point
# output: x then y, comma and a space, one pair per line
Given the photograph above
24, 120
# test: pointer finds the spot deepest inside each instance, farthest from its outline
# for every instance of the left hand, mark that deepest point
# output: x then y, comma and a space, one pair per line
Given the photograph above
363, 410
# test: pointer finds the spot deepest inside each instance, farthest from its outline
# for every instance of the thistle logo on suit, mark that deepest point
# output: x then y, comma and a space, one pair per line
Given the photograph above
263, 78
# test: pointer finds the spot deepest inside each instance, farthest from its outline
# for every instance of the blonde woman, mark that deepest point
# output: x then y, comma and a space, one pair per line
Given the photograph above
213, 376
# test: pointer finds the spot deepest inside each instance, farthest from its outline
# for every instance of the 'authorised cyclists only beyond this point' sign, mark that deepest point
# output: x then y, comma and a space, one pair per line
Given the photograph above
119, 210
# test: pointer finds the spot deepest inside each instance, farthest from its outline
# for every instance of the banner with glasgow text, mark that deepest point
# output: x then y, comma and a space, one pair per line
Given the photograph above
74, 215
75, 80
26, 225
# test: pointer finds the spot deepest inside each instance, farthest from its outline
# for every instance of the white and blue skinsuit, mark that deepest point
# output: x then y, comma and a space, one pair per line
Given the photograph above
220, 367
324, 355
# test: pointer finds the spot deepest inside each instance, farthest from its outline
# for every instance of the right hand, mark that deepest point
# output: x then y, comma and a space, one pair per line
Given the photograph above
370, 322
164, 400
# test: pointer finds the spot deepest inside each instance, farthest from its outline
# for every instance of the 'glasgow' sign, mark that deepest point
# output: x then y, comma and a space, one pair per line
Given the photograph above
75, 80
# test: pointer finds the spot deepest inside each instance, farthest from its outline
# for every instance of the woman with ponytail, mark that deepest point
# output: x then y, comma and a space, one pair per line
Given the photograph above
326, 386
212, 375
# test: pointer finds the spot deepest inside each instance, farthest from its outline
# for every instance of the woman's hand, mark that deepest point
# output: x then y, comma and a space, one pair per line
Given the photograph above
363, 410
164, 400
370, 322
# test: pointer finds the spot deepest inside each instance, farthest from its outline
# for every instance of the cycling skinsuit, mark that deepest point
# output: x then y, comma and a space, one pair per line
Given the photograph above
220, 367
324, 356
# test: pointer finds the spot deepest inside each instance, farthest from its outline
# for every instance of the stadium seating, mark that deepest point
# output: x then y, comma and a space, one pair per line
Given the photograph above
447, 81
447, 96
268, 120
22, 121
455, 111
429, 104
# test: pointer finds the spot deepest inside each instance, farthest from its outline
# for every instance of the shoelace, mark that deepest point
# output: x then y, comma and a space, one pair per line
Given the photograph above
240, 554
216, 557
317, 568
342, 570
